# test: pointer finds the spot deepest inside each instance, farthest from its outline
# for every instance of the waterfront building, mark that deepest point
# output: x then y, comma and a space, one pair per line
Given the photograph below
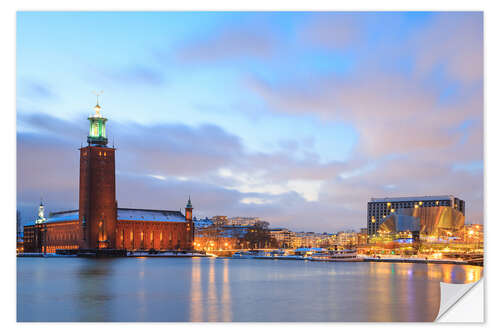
474, 234
312, 239
282, 237
99, 223
347, 238
425, 222
379, 208
247, 221
362, 236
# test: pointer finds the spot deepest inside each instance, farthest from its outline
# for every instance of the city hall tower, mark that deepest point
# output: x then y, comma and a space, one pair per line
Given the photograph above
97, 211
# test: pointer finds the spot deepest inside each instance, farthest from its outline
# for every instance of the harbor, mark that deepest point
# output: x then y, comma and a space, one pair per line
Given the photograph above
300, 254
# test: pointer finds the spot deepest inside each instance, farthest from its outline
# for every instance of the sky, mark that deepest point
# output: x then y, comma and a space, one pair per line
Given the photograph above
299, 118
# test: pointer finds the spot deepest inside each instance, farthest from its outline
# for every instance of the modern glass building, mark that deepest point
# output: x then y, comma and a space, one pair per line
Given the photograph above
380, 208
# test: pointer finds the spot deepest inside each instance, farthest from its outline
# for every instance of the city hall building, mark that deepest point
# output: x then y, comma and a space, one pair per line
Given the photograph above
99, 223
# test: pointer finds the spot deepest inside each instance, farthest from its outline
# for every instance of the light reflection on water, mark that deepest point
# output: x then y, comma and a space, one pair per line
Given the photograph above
208, 289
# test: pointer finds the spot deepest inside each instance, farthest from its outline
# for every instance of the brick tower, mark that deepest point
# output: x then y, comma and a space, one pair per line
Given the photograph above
97, 201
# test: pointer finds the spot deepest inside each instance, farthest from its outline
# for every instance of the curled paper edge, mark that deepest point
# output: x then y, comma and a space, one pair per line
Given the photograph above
453, 294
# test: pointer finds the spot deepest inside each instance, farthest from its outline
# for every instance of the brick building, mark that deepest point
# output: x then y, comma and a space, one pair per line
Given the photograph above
99, 223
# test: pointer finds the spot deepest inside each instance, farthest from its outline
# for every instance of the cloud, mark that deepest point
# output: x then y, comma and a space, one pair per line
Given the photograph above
455, 41
230, 43
333, 30
37, 90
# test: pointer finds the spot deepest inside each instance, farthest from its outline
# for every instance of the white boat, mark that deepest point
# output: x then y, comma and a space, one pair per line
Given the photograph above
337, 255
242, 255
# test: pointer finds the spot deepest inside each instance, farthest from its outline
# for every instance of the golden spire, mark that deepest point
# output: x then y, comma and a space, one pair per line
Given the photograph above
97, 107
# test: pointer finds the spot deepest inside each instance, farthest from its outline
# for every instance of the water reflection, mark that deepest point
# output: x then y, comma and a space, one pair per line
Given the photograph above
210, 301
207, 289
93, 290
196, 292
226, 293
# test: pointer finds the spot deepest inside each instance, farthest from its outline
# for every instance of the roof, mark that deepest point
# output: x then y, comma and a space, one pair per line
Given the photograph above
69, 215
421, 198
131, 214
126, 214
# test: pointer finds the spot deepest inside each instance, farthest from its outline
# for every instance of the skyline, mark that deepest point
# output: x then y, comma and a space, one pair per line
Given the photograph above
256, 114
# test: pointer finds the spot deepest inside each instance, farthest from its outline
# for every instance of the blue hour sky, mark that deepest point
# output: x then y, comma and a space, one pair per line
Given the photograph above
298, 118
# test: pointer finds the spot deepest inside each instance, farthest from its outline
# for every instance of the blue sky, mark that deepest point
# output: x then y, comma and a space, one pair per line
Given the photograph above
270, 110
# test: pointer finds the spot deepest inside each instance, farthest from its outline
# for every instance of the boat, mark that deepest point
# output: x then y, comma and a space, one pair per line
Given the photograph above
243, 255
336, 255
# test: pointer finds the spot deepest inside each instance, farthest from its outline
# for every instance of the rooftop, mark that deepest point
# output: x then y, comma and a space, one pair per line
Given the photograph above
421, 198
126, 214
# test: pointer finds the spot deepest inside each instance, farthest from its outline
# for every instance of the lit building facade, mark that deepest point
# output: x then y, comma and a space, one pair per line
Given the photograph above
99, 223
380, 208
282, 236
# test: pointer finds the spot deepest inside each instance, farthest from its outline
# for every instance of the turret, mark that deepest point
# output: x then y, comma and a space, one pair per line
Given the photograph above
41, 213
189, 210
97, 131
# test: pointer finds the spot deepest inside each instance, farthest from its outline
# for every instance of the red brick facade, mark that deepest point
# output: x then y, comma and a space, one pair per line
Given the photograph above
97, 196
145, 235
47, 237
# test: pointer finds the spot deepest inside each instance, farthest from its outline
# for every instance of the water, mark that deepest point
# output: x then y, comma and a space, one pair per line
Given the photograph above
209, 289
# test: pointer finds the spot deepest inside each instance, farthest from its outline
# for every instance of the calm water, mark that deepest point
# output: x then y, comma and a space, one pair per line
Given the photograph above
208, 289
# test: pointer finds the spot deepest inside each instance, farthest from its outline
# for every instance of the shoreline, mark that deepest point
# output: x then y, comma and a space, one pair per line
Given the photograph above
191, 255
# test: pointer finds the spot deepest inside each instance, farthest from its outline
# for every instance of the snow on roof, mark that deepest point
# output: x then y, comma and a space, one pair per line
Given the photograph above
69, 215
130, 214
127, 214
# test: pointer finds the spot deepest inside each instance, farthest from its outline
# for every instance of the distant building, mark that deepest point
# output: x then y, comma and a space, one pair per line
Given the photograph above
99, 223
380, 208
282, 236
202, 223
220, 220
347, 238
312, 239
474, 233
247, 221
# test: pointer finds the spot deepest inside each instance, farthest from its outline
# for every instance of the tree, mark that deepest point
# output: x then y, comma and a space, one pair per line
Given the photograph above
259, 237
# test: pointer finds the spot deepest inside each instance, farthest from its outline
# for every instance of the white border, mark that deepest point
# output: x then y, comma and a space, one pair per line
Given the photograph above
8, 179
